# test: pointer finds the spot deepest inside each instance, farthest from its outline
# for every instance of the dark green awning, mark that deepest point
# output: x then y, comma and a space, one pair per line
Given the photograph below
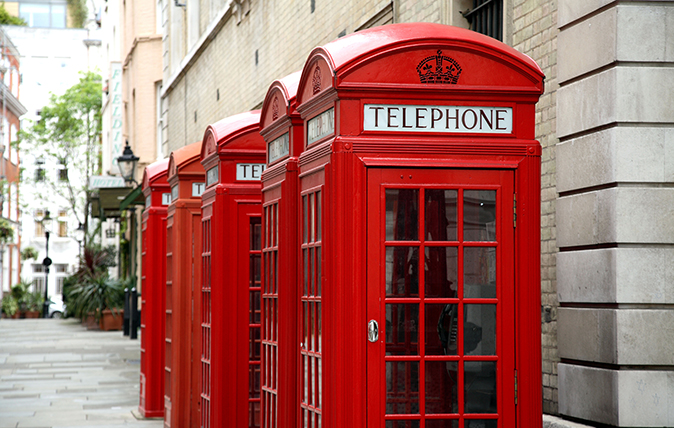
135, 197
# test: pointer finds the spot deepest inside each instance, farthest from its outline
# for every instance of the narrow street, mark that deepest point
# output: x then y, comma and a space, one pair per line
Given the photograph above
57, 374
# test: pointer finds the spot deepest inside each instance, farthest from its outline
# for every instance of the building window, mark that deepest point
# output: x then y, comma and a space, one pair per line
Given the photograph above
61, 268
45, 15
59, 284
63, 173
63, 228
486, 17
39, 227
110, 233
38, 284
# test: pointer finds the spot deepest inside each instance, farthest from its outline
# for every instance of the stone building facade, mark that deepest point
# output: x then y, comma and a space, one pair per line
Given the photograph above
605, 125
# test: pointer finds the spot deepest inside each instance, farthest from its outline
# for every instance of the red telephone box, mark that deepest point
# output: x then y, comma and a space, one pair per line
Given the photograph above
233, 155
153, 278
183, 291
419, 212
282, 128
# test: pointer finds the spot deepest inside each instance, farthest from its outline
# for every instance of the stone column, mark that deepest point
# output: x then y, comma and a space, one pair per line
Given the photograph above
615, 211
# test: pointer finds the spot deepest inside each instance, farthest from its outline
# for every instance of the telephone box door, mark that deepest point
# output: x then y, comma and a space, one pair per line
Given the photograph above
440, 305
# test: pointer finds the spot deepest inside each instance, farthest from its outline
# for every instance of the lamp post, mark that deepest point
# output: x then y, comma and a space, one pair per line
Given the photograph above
79, 237
46, 220
127, 163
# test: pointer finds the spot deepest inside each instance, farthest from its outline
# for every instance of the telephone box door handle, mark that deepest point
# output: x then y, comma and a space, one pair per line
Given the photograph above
372, 331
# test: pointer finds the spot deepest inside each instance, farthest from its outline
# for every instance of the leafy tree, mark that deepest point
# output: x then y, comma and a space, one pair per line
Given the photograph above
7, 19
68, 135
78, 12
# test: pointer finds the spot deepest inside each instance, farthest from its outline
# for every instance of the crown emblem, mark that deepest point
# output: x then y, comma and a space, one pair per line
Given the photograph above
274, 109
439, 69
316, 81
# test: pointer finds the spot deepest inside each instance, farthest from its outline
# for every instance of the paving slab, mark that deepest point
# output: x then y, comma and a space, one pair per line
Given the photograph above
57, 374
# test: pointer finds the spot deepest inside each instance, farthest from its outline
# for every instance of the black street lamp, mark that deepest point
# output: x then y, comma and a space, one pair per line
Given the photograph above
46, 263
127, 163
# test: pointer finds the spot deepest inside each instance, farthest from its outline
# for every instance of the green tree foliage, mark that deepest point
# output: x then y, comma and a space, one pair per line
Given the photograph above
7, 19
78, 12
68, 135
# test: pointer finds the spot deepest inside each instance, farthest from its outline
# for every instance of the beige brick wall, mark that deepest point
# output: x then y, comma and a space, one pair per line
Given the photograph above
535, 34
268, 32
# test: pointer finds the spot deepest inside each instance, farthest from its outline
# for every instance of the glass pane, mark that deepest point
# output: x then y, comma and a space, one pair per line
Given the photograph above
255, 235
319, 329
479, 330
481, 423
311, 271
442, 423
58, 16
402, 424
479, 272
441, 383
479, 215
441, 278
402, 336
306, 272
312, 218
318, 269
318, 216
480, 386
319, 397
441, 329
306, 324
310, 321
402, 387
440, 222
402, 214
305, 218
402, 271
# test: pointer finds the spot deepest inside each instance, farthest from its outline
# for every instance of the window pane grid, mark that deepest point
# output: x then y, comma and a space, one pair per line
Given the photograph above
206, 323
254, 321
269, 328
414, 388
311, 363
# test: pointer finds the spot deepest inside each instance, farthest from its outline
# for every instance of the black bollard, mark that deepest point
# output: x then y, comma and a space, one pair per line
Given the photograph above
133, 322
127, 311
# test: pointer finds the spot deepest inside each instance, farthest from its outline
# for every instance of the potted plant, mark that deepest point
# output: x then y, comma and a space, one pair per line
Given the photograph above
33, 304
100, 297
10, 307
92, 293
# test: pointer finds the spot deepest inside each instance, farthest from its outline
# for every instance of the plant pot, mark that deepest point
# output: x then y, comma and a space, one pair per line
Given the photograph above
111, 321
31, 314
90, 322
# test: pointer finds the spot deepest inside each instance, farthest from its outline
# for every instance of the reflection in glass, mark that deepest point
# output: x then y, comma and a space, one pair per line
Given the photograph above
441, 383
479, 215
480, 386
402, 271
402, 387
479, 330
402, 332
441, 277
442, 423
441, 329
440, 208
481, 423
402, 424
402, 214
479, 272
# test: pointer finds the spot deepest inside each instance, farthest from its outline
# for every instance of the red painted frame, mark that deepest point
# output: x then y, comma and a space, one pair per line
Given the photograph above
380, 66
153, 282
229, 205
183, 294
280, 224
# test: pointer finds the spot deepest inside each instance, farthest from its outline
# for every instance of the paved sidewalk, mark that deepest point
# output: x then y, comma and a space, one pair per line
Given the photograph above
56, 374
